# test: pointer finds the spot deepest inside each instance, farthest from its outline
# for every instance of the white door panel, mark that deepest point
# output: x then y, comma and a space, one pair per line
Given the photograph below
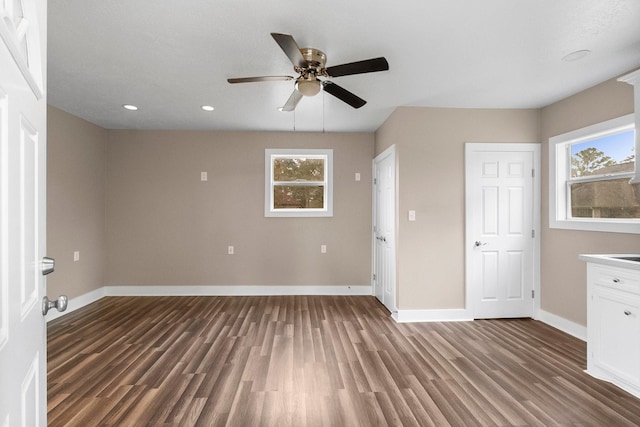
384, 221
500, 211
22, 214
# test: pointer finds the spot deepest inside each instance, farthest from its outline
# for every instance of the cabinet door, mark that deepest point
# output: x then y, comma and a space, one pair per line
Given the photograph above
617, 333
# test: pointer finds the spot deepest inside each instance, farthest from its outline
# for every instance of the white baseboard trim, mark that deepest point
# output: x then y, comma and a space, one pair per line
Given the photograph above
567, 326
89, 297
76, 303
235, 290
447, 315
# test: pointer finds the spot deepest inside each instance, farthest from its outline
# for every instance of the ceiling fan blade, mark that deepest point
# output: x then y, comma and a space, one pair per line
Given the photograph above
292, 102
359, 67
343, 94
290, 48
260, 79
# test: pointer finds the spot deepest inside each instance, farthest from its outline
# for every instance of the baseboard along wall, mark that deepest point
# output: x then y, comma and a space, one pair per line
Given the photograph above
400, 316
88, 298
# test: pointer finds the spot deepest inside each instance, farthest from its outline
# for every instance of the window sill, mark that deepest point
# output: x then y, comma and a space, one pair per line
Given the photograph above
610, 226
298, 213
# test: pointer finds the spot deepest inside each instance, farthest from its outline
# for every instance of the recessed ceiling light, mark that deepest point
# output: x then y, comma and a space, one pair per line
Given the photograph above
575, 56
207, 108
130, 107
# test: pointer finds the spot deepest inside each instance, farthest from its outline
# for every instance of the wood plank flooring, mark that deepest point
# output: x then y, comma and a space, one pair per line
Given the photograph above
314, 361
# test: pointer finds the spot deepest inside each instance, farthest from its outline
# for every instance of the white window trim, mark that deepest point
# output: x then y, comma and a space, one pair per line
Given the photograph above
269, 154
559, 174
634, 80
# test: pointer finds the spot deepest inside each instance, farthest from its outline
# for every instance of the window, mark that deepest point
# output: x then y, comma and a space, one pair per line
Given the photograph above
590, 172
298, 183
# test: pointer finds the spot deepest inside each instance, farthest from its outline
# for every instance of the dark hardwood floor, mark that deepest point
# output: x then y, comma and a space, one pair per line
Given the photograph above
310, 361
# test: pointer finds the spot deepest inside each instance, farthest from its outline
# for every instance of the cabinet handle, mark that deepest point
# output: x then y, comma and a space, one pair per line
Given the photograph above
616, 280
627, 313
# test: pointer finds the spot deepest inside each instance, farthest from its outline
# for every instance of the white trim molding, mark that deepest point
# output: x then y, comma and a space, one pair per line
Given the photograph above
559, 157
77, 302
400, 316
563, 324
325, 154
177, 290
235, 290
445, 315
634, 80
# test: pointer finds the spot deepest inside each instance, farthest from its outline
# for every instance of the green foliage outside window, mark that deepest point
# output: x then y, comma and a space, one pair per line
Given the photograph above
608, 194
296, 183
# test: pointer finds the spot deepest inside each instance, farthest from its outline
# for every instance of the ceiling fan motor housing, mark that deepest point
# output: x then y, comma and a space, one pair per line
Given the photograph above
316, 59
308, 84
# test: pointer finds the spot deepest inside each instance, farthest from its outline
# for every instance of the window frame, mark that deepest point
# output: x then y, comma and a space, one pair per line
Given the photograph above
270, 154
560, 179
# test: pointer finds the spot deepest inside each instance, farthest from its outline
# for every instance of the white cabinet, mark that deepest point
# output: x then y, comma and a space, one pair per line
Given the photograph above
613, 324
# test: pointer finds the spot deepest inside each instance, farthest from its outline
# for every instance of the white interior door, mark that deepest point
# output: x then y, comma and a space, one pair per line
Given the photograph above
384, 228
501, 236
22, 214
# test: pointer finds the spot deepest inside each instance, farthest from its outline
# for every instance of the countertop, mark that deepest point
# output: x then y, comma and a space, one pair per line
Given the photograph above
610, 260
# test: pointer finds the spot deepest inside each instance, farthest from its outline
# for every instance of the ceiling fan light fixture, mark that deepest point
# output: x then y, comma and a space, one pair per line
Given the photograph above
308, 87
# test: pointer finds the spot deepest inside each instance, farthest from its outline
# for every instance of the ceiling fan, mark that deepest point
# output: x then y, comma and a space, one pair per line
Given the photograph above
310, 63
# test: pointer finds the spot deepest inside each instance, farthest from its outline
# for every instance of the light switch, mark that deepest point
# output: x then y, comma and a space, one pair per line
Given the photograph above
412, 215
76, 256
323, 249
230, 250
357, 176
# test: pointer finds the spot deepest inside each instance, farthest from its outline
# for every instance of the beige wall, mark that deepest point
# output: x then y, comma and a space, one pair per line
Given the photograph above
563, 276
166, 227
76, 170
430, 155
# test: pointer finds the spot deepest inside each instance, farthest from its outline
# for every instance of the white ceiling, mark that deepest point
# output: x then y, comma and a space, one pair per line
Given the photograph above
171, 57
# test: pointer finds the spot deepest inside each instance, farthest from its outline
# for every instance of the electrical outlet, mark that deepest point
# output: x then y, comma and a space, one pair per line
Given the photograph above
412, 215
76, 256
323, 249
203, 176
230, 250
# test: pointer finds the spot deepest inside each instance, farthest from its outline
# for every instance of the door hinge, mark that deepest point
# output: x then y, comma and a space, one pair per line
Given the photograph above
375, 181
533, 173
533, 293
533, 234
374, 276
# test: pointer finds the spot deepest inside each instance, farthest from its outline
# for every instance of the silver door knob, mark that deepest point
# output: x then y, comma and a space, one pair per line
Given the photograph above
60, 304
48, 265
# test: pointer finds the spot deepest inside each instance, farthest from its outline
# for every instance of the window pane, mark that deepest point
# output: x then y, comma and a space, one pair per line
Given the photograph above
614, 198
607, 155
298, 197
298, 169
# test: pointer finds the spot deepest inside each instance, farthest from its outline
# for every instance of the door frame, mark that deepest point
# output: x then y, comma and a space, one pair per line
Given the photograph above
535, 149
390, 151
